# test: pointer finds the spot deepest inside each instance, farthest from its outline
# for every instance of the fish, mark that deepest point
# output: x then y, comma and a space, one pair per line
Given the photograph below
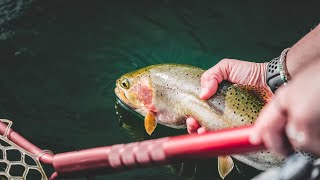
169, 93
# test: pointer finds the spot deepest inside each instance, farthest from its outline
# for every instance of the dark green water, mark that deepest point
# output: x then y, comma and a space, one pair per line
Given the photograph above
59, 61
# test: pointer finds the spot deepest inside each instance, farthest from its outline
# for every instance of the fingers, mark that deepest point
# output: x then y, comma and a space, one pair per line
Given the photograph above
201, 130
192, 125
270, 128
212, 77
209, 86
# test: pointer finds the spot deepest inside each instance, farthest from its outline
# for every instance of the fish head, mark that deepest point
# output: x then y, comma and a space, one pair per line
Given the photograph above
135, 90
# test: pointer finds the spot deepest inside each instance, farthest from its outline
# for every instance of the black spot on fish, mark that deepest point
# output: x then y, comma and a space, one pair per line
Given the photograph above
230, 93
187, 74
234, 112
242, 120
242, 97
161, 94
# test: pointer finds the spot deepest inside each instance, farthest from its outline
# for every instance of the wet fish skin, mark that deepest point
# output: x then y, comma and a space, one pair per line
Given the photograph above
174, 96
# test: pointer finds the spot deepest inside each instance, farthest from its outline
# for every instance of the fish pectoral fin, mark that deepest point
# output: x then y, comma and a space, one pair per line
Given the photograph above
225, 165
150, 122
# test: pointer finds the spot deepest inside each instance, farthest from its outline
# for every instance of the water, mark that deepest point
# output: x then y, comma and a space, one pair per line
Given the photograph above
60, 59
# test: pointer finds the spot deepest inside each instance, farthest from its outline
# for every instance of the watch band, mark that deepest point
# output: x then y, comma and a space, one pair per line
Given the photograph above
277, 73
273, 77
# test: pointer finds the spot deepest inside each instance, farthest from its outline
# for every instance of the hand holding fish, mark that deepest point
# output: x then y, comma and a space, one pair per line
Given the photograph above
290, 113
235, 71
168, 93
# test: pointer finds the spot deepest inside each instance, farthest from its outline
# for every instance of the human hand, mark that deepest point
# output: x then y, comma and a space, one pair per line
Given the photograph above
293, 112
235, 71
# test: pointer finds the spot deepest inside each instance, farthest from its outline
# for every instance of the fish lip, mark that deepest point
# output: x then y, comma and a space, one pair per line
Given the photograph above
119, 93
121, 96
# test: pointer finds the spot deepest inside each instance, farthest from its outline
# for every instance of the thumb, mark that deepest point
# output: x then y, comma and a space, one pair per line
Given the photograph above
212, 77
208, 88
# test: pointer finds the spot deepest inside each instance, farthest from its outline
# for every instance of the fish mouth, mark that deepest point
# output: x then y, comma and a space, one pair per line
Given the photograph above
128, 108
121, 96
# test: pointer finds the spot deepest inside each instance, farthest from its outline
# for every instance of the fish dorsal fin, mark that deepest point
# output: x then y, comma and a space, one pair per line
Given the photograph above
225, 165
150, 122
261, 93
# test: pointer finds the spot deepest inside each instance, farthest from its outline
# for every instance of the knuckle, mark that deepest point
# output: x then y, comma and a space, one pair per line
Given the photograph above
225, 60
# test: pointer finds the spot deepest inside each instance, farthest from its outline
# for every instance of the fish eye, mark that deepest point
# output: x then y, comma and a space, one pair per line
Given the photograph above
125, 83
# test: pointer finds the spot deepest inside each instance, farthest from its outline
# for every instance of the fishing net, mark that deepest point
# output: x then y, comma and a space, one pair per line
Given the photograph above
17, 163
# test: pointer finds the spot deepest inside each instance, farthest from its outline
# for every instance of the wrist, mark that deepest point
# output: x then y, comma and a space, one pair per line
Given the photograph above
304, 52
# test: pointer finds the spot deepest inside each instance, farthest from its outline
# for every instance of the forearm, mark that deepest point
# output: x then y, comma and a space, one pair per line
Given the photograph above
304, 52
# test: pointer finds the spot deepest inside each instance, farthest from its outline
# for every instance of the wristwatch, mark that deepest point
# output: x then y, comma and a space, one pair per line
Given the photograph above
277, 74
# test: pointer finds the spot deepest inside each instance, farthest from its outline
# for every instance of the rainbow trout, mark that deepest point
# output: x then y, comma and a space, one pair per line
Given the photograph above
169, 93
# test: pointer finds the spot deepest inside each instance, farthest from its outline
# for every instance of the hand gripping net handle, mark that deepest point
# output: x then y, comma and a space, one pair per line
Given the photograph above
154, 152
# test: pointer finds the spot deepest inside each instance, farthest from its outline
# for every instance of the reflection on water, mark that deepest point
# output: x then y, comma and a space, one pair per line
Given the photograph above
132, 124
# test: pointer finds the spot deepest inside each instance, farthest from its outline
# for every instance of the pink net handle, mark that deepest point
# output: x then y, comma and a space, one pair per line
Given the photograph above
154, 152
111, 159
